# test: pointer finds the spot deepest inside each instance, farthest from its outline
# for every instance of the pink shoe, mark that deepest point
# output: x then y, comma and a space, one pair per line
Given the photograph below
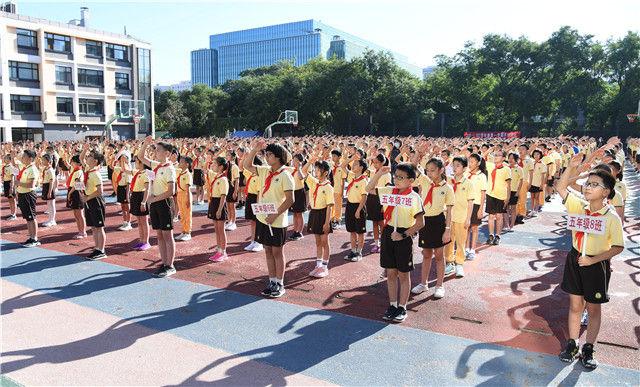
219, 257
375, 249
143, 247
322, 272
80, 236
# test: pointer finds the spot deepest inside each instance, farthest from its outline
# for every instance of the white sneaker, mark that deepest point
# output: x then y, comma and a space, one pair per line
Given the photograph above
49, 224
439, 293
419, 288
185, 237
449, 269
257, 247
250, 246
126, 226
471, 256
179, 237
459, 271
230, 226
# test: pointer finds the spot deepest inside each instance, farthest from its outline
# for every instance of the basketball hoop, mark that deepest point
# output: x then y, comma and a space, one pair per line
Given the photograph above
632, 117
136, 118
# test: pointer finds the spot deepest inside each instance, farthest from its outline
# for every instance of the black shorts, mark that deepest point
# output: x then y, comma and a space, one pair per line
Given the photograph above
299, 201
198, 178
396, 255
591, 282
352, 224
242, 182
160, 213
214, 203
534, 189
475, 221
121, 194
550, 182
136, 202
229, 198
45, 192
63, 165
263, 236
248, 211
109, 173
317, 218
513, 199
74, 201
27, 205
430, 236
94, 212
495, 206
9, 190
374, 208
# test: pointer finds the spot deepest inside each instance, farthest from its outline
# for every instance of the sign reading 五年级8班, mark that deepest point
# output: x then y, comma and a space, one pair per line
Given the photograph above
264, 208
586, 224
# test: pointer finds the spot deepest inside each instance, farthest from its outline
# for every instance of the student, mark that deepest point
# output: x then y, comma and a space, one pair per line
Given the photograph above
498, 194
122, 180
218, 191
322, 201
276, 188
9, 185
586, 276
337, 181
242, 181
200, 163
251, 194
477, 176
26, 181
516, 185
524, 162
374, 208
139, 189
460, 218
621, 188
49, 184
401, 224
162, 189
74, 200
356, 214
183, 198
537, 177
233, 176
110, 156
437, 199
300, 205
94, 203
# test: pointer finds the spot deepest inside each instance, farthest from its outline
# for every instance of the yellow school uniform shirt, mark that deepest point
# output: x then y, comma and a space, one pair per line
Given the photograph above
358, 188
323, 197
539, 169
441, 197
235, 173
596, 244
550, 163
298, 183
384, 180
48, 175
498, 188
280, 183
126, 178
338, 178
252, 182
403, 217
622, 188
516, 177
462, 195
94, 179
29, 172
7, 172
165, 175
141, 180
478, 184
617, 200
184, 180
219, 186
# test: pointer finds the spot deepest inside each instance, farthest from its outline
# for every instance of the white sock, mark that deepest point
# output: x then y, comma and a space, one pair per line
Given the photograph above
272, 279
395, 303
280, 281
403, 306
325, 264
318, 262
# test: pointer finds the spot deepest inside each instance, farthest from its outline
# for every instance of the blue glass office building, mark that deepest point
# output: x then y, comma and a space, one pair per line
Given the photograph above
231, 53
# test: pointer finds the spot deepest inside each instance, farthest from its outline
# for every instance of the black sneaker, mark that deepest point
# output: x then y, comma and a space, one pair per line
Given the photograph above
586, 357
496, 240
390, 313
401, 314
277, 291
295, 236
350, 256
267, 291
31, 243
519, 219
96, 255
490, 240
356, 257
165, 271
570, 352
547, 199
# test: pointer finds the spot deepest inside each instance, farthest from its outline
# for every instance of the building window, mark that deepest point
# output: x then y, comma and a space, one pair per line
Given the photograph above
117, 52
94, 48
27, 38
91, 107
63, 75
58, 43
21, 104
92, 78
65, 105
122, 81
21, 71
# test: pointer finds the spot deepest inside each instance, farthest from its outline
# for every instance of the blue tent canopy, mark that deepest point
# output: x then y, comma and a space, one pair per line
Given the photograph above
245, 133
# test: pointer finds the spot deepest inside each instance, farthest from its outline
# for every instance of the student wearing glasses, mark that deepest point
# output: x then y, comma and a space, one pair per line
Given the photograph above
498, 194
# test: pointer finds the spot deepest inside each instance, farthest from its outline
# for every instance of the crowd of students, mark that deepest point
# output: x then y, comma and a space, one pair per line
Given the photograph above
446, 186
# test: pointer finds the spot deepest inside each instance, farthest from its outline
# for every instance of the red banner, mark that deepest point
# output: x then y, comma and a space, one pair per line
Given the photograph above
492, 135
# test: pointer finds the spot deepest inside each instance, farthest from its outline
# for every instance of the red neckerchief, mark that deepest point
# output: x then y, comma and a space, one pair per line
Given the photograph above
315, 192
360, 178
246, 187
429, 198
179, 176
493, 175
86, 174
521, 164
119, 177
389, 210
155, 170
21, 171
214, 181
76, 169
133, 181
267, 182
580, 234
455, 183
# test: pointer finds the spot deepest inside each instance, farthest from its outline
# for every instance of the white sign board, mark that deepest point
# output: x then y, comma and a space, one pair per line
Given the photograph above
392, 200
79, 186
15, 171
150, 174
587, 224
264, 208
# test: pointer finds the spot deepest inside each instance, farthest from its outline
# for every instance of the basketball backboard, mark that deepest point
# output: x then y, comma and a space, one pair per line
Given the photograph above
128, 108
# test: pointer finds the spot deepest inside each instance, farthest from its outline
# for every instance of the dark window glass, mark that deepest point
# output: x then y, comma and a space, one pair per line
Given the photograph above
122, 81
92, 107
27, 38
25, 104
91, 78
63, 75
94, 48
23, 71
117, 52
65, 105
22, 134
59, 43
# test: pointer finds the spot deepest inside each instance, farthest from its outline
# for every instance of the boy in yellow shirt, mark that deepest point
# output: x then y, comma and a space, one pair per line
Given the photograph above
498, 194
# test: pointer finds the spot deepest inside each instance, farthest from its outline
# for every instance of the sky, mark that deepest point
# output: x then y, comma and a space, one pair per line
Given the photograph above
417, 29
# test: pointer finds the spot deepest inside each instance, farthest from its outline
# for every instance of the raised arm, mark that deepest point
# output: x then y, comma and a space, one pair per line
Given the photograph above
142, 153
565, 179
373, 183
247, 163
